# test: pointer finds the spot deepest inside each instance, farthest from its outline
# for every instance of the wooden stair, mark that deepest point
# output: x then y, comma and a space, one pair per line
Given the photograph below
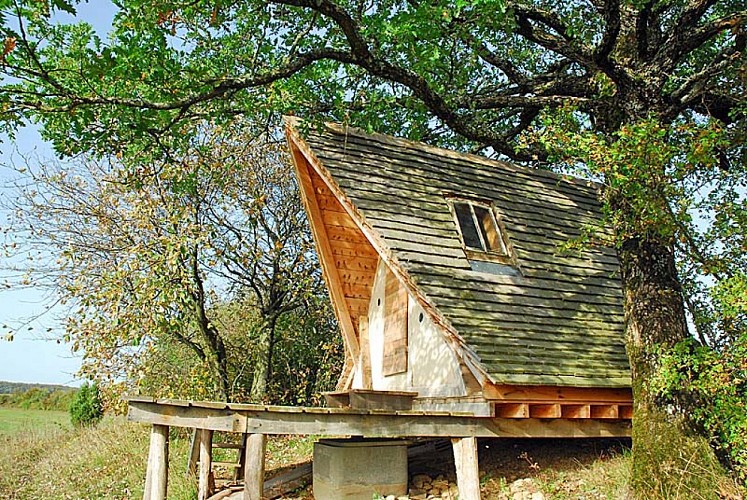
236, 467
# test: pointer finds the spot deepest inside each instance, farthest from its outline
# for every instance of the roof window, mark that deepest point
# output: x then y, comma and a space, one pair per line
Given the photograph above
481, 231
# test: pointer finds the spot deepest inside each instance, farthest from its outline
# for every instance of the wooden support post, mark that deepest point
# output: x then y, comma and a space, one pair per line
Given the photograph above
364, 362
254, 466
156, 479
238, 473
206, 464
468, 474
194, 453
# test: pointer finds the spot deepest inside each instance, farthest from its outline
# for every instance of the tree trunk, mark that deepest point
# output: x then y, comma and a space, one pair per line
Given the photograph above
669, 459
263, 364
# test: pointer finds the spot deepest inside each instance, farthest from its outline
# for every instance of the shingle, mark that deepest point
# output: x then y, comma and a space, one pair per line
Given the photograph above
560, 322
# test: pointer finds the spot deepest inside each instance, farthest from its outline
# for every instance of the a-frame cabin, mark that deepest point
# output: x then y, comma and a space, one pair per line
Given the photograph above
447, 278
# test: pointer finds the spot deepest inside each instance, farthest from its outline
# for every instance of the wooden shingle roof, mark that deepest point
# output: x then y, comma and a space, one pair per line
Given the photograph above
559, 322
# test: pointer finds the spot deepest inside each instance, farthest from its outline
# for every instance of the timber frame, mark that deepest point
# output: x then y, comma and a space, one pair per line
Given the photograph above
258, 421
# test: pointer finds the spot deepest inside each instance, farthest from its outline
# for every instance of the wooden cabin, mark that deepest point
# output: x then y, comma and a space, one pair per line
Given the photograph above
448, 279
461, 315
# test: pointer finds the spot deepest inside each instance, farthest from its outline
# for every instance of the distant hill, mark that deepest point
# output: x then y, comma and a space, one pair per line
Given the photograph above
12, 387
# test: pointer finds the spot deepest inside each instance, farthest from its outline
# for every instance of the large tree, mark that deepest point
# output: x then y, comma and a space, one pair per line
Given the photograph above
195, 261
648, 95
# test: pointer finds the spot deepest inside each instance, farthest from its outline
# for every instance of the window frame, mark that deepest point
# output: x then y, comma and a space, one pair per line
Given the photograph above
504, 255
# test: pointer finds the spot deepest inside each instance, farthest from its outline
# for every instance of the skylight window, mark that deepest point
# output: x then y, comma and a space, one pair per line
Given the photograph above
479, 228
485, 243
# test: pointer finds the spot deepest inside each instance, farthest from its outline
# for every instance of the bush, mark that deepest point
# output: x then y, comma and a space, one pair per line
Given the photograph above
86, 409
713, 383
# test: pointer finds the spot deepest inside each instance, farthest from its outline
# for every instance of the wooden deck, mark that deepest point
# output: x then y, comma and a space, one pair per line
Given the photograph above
257, 421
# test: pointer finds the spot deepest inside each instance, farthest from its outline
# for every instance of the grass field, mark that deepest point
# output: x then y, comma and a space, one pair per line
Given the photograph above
45, 457
14, 420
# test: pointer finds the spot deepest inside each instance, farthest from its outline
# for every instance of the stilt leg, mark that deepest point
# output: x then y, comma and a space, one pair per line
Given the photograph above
206, 460
156, 479
254, 466
468, 476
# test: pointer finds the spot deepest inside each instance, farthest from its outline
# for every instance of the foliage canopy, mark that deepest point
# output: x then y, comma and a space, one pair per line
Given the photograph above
648, 96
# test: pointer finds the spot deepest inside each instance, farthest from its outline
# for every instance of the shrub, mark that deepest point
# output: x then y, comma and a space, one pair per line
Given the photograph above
86, 409
713, 384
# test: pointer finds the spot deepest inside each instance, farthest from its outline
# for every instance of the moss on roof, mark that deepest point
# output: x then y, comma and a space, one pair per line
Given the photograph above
560, 322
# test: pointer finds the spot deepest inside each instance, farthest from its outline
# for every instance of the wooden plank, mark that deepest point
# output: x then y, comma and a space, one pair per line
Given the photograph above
206, 459
338, 219
384, 400
348, 249
227, 465
347, 235
546, 394
511, 410
544, 410
477, 407
512, 285
365, 354
337, 399
626, 412
254, 472
304, 175
403, 424
395, 326
158, 464
239, 472
605, 411
553, 361
360, 264
194, 417
194, 453
467, 470
288, 481
575, 411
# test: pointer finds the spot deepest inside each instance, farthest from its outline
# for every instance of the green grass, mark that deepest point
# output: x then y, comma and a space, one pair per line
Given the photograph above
14, 420
106, 461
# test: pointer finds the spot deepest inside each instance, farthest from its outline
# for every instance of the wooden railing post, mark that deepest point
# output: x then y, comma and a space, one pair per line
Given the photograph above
156, 479
206, 464
467, 471
254, 466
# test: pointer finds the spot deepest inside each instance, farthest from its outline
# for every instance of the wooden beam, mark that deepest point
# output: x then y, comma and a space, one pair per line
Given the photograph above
239, 472
544, 411
156, 482
364, 364
557, 394
216, 419
512, 410
626, 412
605, 411
206, 464
254, 471
575, 411
368, 423
194, 453
467, 470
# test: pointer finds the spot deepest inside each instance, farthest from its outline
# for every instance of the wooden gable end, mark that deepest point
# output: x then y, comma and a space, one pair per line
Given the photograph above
347, 257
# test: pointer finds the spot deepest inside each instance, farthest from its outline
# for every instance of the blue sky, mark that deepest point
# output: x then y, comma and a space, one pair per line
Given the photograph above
36, 356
